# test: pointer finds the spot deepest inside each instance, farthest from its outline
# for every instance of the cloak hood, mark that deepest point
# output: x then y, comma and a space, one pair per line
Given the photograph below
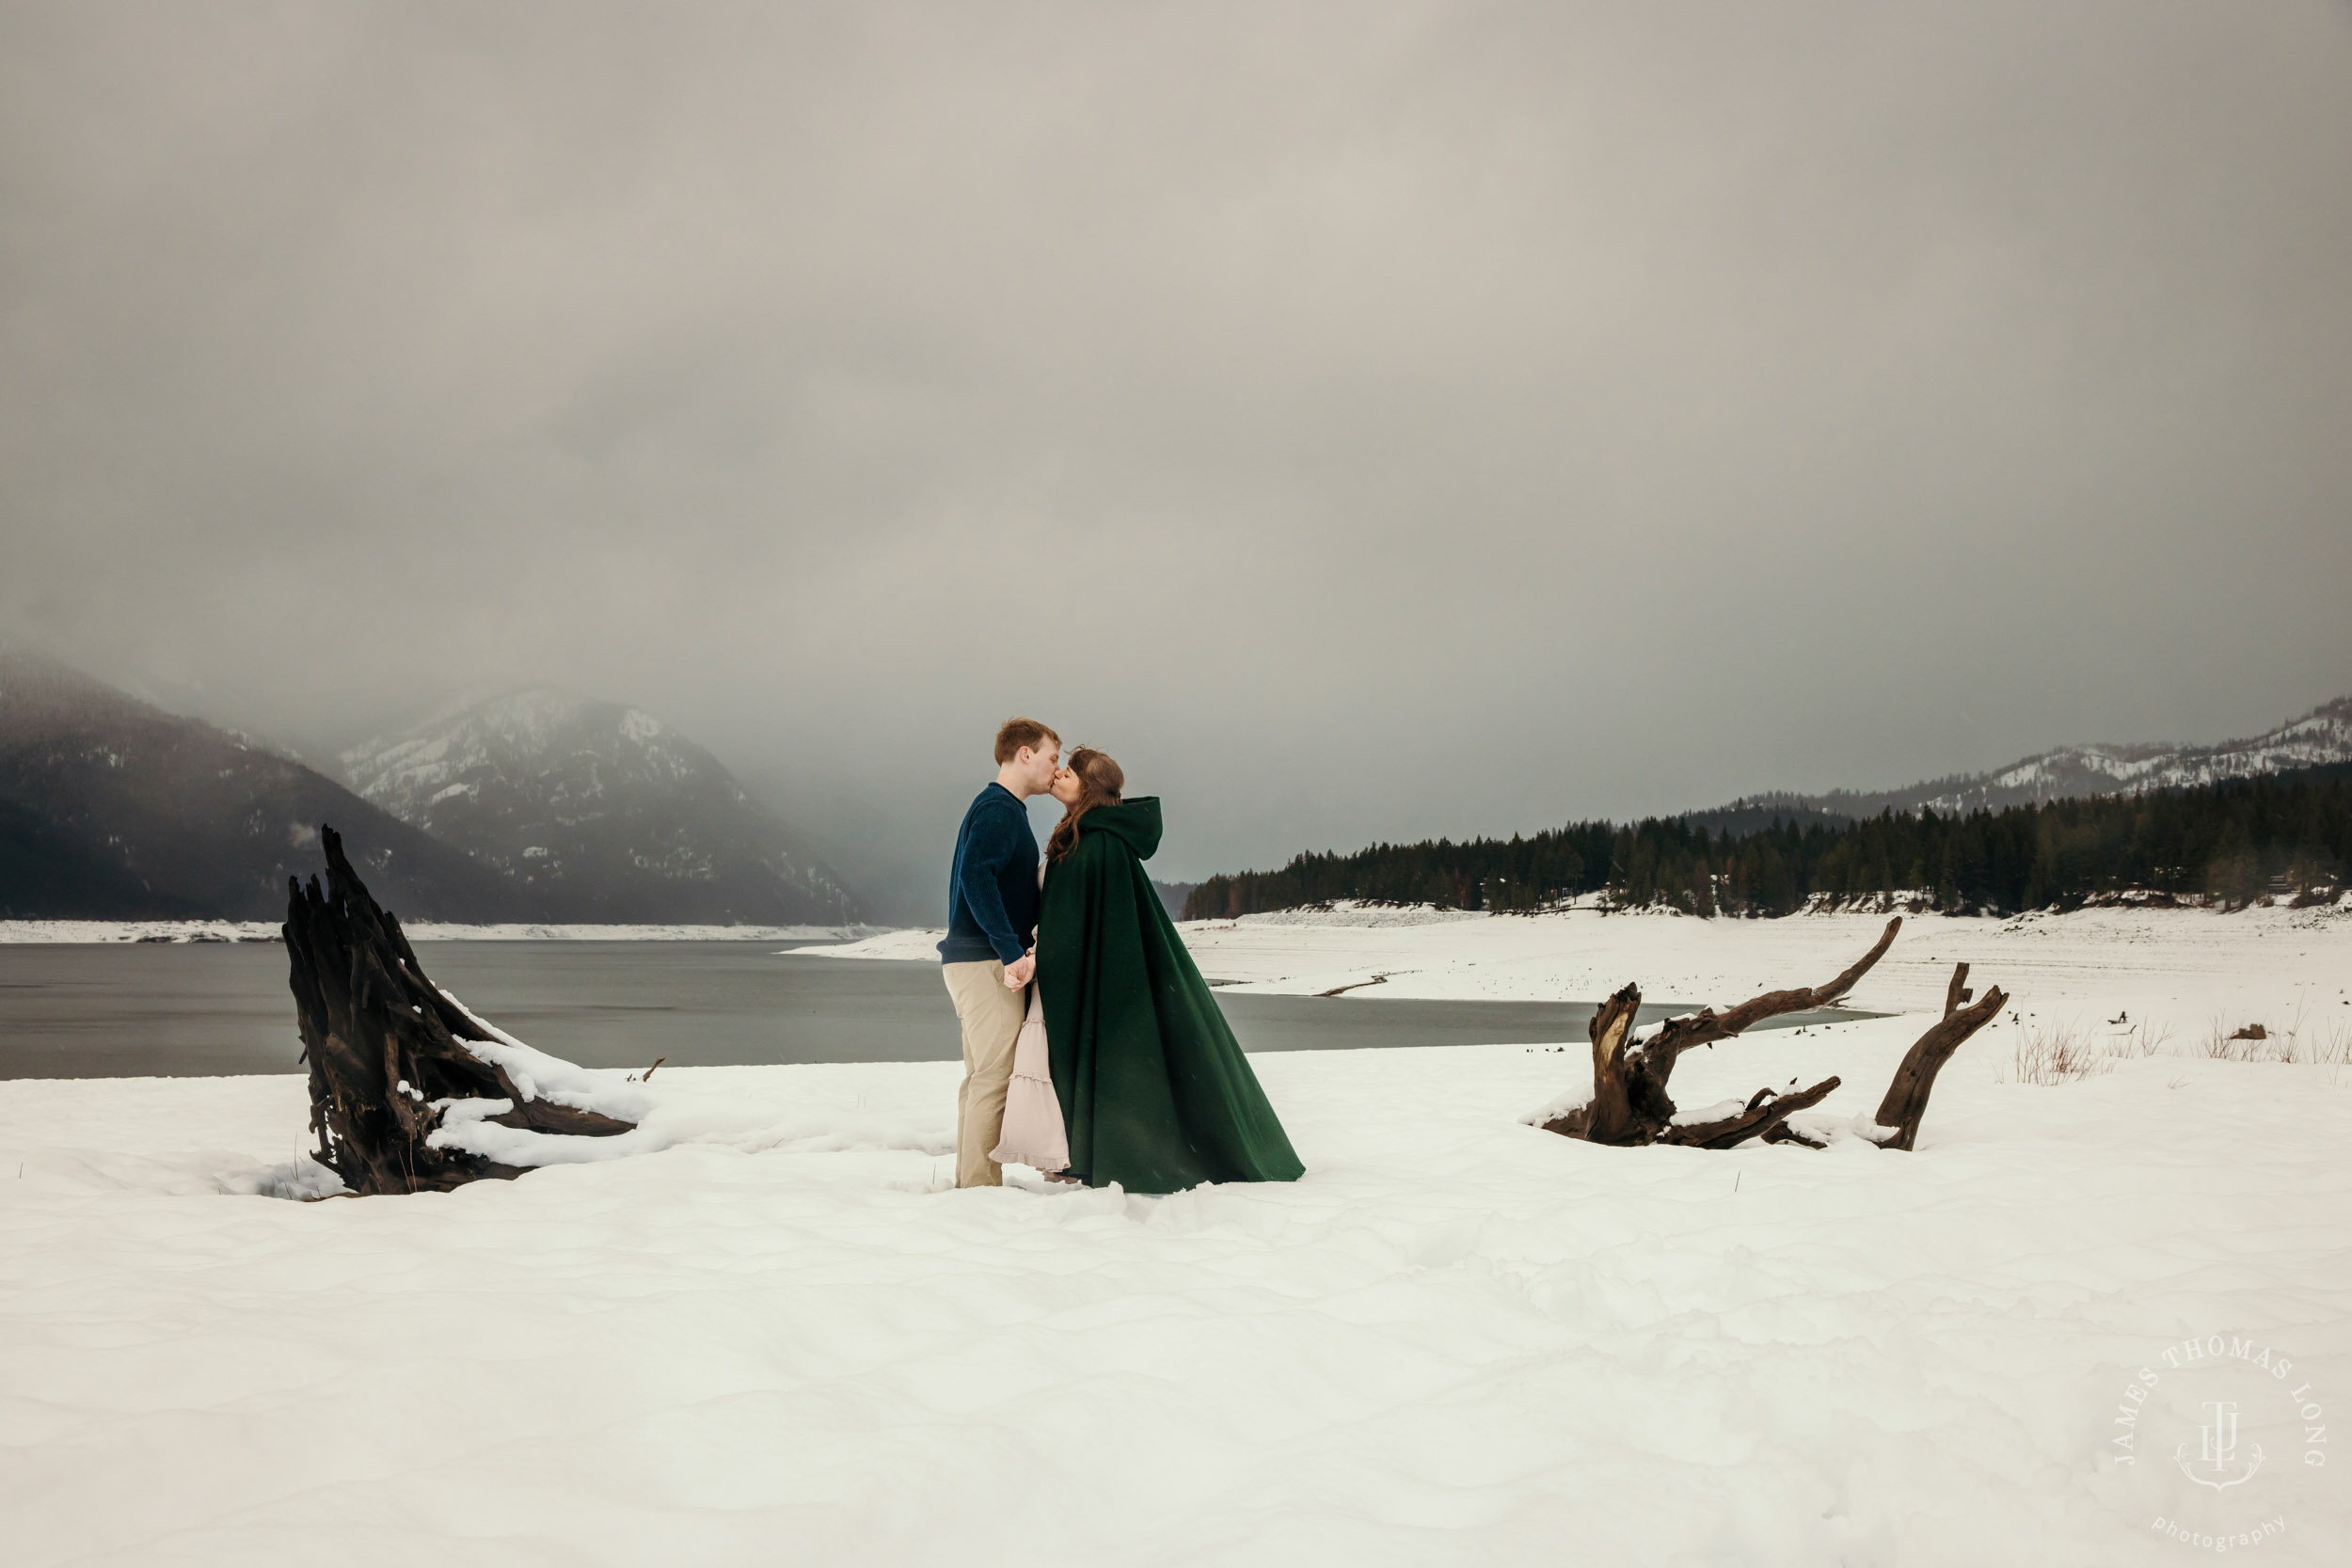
1134, 822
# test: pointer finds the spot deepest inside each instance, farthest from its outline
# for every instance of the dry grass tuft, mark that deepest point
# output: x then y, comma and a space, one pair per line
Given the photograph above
2055, 1053
2301, 1041
2224, 1044
2140, 1041
2061, 1052
2051, 1053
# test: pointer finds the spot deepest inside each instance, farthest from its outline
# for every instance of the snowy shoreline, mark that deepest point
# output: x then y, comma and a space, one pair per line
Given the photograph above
2184, 968
761, 1327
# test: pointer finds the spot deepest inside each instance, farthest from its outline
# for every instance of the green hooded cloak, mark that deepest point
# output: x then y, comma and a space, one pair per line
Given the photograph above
1155, 1090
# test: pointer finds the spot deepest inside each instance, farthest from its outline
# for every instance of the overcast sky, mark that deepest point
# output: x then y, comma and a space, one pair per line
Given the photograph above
1365, 421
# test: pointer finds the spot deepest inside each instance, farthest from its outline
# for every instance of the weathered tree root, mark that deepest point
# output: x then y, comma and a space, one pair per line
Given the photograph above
1906, 1100
1631, 1106
388, 1052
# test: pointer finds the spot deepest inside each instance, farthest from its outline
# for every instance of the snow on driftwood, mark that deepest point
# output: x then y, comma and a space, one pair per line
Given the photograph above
409, 1090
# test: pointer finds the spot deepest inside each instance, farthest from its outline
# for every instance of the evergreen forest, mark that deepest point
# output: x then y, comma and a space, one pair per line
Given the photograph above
2281, 836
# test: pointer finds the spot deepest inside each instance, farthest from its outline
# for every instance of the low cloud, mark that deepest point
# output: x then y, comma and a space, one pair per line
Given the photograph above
1366, 422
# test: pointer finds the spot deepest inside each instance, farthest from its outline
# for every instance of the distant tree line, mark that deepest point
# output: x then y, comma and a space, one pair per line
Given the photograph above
2233, 841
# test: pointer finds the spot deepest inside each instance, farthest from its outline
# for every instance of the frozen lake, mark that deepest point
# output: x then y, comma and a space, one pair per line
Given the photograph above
206, 1009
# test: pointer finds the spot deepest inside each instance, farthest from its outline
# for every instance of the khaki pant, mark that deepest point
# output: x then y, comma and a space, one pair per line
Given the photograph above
992, 1017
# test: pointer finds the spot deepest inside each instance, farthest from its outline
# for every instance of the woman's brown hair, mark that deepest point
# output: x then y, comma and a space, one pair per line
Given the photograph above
1100, 782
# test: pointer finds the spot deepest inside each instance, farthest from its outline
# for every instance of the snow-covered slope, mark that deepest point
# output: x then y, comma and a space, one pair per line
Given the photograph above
601, 811
2321, 736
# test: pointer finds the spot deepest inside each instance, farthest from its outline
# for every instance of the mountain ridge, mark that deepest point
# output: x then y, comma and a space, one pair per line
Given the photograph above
2321, 736
598, 811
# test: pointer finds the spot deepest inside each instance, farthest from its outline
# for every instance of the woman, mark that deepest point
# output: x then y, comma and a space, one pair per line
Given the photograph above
1155, 1093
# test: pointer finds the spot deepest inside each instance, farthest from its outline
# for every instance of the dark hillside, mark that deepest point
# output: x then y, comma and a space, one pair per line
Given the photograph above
43, 876
111, 808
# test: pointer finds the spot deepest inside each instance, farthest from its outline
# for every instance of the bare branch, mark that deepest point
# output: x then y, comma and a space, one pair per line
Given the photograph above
1763, 1116
1845, 982
1707, 1027
1906, 1100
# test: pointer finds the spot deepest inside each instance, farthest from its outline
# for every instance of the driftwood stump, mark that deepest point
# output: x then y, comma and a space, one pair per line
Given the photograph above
1629, 1103
388, 1052
1906, 1099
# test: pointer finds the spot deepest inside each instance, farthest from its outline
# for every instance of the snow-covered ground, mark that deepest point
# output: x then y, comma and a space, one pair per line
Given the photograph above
60, 932
767, 1333
2184, 970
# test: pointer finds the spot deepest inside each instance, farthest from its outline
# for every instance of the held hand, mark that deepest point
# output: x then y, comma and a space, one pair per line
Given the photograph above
1018, 972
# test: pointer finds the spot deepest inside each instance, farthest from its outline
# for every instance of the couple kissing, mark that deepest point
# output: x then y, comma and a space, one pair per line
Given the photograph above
1098, 1055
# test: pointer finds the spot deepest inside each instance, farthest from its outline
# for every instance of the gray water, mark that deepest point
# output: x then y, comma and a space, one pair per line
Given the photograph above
202, 1009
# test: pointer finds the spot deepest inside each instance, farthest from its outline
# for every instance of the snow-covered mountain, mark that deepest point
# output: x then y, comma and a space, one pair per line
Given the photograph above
601, 812
2321, 736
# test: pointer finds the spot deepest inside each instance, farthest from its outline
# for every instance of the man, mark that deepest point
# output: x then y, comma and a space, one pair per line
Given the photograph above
992, 916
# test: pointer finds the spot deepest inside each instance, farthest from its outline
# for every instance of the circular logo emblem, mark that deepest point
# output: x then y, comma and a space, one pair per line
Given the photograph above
2214, 1430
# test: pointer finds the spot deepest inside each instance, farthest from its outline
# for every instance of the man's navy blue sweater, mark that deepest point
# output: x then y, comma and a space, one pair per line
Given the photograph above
991, 893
